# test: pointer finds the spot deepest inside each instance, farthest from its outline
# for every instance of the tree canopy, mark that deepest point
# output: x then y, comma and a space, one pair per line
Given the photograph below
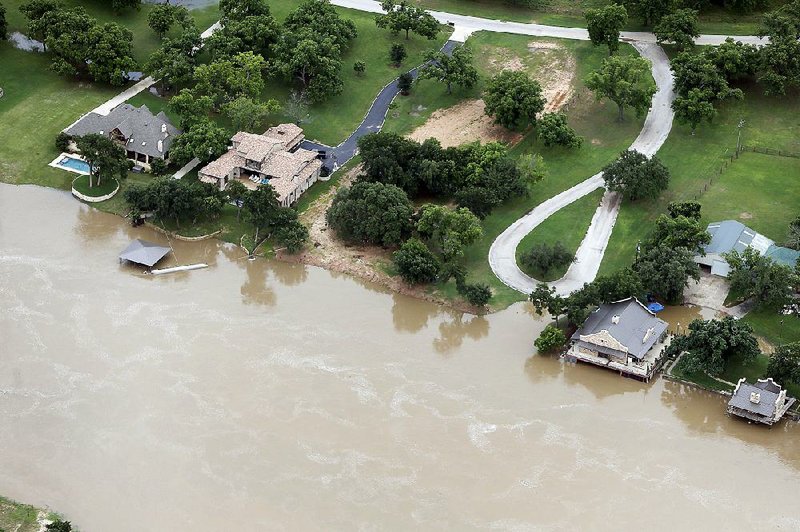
650, 11
247, 114
625, 81
416, 263
666, 271
553, 129
604, 25
204, 140
404, 16
756, 276
176, 199
107, 159
550, 339
371, 213
678, 27
635, 176
456, 68
678, 232
224, 80
784, 364
3, 23
449, 230
710, 344
513, 99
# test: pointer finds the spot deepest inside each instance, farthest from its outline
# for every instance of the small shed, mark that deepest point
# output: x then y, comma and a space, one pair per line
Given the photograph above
144, 253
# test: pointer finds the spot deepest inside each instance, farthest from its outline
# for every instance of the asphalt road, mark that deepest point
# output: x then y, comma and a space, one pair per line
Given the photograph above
658, 123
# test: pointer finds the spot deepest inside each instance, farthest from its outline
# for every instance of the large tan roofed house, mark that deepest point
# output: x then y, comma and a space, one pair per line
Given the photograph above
273, 158
624, 336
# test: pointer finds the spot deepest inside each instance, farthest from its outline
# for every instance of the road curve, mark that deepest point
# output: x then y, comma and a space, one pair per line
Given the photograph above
657, 125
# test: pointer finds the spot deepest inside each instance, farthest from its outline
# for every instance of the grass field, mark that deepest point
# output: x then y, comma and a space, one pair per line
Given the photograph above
566, 226
107, 186
596, 121
571, 13
764, 187
17, 517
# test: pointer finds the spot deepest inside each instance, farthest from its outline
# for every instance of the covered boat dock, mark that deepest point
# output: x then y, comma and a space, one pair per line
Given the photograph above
144, 253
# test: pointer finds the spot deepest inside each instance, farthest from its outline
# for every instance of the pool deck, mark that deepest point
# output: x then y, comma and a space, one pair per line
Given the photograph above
54, 163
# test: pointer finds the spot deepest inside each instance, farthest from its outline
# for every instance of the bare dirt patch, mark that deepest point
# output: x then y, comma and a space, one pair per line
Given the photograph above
463, 123
365, 262
745, 216
556, 74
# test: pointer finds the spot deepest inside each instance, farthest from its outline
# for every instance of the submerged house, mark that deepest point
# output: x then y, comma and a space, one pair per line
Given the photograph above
764, 402
730, 235
144, 136
273, 158
624, 336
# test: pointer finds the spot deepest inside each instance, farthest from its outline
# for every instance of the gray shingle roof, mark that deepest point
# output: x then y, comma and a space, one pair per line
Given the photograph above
142, 129
768, 391
143, 252
731, 235
630, 329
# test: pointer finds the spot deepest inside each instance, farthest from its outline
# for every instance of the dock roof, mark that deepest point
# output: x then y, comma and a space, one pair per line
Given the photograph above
143, 252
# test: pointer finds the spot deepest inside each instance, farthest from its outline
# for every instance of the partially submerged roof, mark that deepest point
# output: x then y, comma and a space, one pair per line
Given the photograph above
146, 133
628, 322
143, 252
759, 398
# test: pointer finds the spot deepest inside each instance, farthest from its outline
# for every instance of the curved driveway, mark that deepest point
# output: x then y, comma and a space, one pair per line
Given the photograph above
657, 125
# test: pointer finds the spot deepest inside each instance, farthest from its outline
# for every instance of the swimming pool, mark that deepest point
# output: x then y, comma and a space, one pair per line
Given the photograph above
71, 164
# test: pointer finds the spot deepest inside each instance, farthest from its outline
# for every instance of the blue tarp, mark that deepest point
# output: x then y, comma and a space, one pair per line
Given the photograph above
655, 307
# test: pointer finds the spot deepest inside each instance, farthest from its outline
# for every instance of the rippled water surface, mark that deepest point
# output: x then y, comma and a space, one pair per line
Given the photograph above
265, 396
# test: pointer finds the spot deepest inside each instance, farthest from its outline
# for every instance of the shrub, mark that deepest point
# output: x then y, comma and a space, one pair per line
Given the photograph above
544, 257
550, 339
404, 83
371, 213
477, 294
554, 130
158, 167
359, 67
416, 263
62, 141
397, 53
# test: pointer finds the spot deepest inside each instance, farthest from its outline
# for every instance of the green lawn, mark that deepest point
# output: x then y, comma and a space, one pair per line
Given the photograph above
764, 187
774, 327
17, 517
566, 226
571, 13
107, 186
596, 121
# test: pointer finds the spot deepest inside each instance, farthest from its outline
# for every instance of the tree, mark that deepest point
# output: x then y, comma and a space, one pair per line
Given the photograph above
161, 18
650, 11
253, 33
755, 276
544, 298
784, 364
232, 10
404, 83
397, 53
247, 114
689, 209
174, 62
626, 82
236, 192
371, 213
62, 141
205, 141
635, 176
359, 67
678, 232
225, 80
158, 167
734, 59
296, 106
513, 99
710, 344
780, 59
550, 339
106, 158
110, 53
666, 271
403, 16
476, 294
318, 17
449, 230
118, 5
451, 69
35, 11
543, 257
604, 25
793, 241
261, 207
3, 23
191, 108
554, 130
415, 263
678, 27
694, 108
389, 158
59, 526
287, 230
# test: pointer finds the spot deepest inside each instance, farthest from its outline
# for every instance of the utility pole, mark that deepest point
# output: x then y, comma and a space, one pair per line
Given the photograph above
739, 137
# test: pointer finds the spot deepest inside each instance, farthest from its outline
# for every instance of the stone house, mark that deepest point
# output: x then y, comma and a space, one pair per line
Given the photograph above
764, 402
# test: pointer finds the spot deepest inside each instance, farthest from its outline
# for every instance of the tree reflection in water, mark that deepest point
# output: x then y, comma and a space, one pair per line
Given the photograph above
452, 333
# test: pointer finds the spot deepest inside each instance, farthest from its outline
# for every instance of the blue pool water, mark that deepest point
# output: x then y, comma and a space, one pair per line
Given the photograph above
74, 164
264, 180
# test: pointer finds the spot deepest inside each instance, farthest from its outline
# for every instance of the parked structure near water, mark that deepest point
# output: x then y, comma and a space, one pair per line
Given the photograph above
730, 235
274, 158
144, 136
763, 402
623, 336
144, 253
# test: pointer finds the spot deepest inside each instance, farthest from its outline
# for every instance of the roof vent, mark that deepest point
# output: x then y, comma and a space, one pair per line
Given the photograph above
161, 146
647, 334
163, 128
615, 319
755, 397
144, 143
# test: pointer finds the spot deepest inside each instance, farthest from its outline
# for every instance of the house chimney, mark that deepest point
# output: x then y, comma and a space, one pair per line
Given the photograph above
161, 146
163, 128
615, 319
755, 397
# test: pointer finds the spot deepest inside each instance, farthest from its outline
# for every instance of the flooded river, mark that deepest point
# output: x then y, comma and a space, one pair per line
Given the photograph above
265, 396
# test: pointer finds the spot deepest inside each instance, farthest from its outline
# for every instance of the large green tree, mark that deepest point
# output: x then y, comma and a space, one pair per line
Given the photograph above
456, 68
635, 176
734, 59
162, 17
625, 81
415, 263
449, 230
513, 99
694, 108
784, 364
709, 345
190, 107
650, 11
666, 271
604, 25
35, 11
204, 140
550, 339
553, 129
679, 28
247, 114
107, 159
173, 64
405, 16
755, 276
678, 232
371, 213
225, 80
3, 23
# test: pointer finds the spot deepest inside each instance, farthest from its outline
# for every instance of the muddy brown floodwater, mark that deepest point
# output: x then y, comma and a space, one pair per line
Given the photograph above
266, 396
